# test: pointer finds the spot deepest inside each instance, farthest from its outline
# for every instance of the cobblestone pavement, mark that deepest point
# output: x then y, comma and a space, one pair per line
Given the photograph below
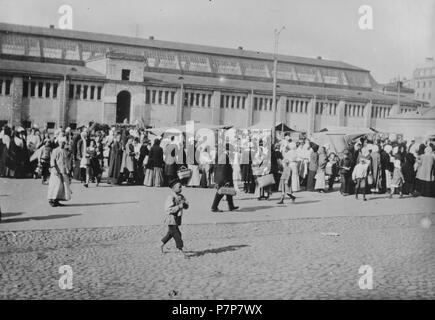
291, 259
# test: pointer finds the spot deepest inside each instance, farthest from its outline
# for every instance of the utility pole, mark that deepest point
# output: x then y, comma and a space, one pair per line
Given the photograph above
275, 67
398, 94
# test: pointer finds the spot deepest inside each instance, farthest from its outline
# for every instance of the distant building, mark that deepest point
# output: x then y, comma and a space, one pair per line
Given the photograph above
424, 82
399, 89
53, 78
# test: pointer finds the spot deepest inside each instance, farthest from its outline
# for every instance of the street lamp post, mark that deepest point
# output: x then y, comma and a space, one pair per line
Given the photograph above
398, 94
275, 67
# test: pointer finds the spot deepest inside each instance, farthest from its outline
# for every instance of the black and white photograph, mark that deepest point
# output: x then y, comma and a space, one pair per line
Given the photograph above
217, 150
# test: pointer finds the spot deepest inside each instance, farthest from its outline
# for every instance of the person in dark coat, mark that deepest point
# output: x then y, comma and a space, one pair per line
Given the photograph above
156, 158
345, 169
140, 167
115, 161
170, 168
223, 175
409, 174
76, 161
246, 168
385, 162
312, 167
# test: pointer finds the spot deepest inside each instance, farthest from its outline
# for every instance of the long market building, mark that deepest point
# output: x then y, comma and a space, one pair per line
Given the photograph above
56, 78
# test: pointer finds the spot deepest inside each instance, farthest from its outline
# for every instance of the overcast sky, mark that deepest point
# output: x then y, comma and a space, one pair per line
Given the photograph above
403, 30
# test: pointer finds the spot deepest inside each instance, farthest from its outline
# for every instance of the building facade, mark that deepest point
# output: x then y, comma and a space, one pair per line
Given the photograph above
424, 82
58, 78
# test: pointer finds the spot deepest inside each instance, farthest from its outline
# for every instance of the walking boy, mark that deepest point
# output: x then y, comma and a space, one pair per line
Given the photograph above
174, 206
359, 176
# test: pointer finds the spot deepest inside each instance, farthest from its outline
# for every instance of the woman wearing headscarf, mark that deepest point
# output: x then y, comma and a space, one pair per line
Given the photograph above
345, 173
304, 153
128, 161
376, 169
408, 174
193, 166
261, 166
115, 160
313, 166
170, 159
384, 162
19, 152
292, 156
5, 140
289, 173
59, 183
320, 184
424, 183
332, 169
94, 163
389, 166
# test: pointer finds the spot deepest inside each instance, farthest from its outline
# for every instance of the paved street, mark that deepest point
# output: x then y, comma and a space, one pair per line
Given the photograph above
310, 250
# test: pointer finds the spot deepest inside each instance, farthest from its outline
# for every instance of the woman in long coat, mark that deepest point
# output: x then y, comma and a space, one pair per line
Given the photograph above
58, 184
128, 161
156, 156
170, 158
408, 174
320, 184
313, 165
376, 169
94, 163
115, 160
424, 183
4, 144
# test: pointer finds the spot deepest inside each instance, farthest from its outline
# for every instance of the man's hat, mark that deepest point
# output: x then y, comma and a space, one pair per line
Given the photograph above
173, 182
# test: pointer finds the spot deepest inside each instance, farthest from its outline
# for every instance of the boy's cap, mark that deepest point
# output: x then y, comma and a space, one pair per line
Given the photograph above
173, 182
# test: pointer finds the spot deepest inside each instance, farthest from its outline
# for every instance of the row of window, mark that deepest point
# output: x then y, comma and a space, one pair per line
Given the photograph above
264, 104
326, 108
380, 112
5, 87
162, 97
406, 110
192, 99
354, 110
423, 96
233, 102
40, 89
425, 72
85, 92
296, 106
423, 84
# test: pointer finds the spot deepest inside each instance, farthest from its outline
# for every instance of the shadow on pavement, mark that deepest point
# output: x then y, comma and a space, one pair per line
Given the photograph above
11, 214
216, 250
305, 202
56, 216
252, 209
98, 204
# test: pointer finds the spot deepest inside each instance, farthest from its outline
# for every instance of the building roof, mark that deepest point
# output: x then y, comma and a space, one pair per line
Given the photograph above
392, 87
301, 90
48, 69
131, 41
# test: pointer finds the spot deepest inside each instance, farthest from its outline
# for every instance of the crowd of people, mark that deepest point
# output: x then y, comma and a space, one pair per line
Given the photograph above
249, 164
